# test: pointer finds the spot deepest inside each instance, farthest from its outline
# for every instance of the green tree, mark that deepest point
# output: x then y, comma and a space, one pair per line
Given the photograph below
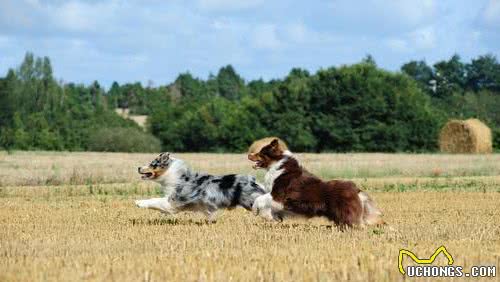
362, 108
21, 140
450, 76
230, 83
114, 94
7, 85
421, 72
368, 59
189, 86
290, 116
39, 113
483, 73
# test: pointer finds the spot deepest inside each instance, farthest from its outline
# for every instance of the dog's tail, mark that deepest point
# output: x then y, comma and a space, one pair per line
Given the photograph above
371, 214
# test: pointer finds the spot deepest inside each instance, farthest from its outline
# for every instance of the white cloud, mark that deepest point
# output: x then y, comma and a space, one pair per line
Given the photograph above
18, 15
398, 45
219, 25
300, 33
228, 5
424, 38
368, 16
4, 41
491, 13
222, 24
412, 11
265, 37
45, 17
476, 35
76, 16
126, 40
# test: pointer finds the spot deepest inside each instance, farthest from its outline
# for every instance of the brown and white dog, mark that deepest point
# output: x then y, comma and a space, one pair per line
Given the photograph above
257, 145
296, 191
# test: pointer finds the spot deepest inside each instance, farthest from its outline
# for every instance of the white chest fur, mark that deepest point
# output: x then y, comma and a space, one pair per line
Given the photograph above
274, 172
171, 177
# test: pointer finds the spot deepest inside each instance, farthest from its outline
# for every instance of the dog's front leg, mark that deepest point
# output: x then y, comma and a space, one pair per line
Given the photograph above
211, 213
159, 204
211, 217
267, 208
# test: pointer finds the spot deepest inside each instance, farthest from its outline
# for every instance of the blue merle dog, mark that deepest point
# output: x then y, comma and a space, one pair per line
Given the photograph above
186, 190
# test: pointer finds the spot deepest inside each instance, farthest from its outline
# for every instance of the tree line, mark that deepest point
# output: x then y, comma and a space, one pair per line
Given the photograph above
39, 113
353, 108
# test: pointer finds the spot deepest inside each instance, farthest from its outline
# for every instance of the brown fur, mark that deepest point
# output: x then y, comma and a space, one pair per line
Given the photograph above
257, 146
303, 193
310, 196
157, 172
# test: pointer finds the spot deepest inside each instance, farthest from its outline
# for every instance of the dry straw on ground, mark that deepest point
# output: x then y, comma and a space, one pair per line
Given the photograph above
465, 136
93, 231
68, 237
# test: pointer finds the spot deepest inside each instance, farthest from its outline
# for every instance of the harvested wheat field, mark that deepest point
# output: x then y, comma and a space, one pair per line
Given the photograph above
71, 217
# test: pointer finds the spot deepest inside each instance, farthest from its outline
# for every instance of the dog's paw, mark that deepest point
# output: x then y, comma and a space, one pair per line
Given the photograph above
141, 204
278, 216
256, 211
267, 215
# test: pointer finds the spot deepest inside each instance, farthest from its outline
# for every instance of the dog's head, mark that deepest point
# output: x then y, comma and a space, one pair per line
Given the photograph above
268, 154
257, 146
156, 168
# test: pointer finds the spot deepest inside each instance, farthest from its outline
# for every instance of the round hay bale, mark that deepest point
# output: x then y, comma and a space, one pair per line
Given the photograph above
465, 137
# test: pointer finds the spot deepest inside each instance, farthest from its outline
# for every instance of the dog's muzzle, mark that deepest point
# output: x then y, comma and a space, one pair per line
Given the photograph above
144, 175
257, 163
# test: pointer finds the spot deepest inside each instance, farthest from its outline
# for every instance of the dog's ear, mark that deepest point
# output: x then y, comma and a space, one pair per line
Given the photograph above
275, 143
164, 158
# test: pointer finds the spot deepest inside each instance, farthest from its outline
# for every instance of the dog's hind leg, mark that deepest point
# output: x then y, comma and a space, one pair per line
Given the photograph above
211, 213
371, 213
159, 204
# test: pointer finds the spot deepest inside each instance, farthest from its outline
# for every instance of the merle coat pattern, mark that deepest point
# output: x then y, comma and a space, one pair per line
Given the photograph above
187, 190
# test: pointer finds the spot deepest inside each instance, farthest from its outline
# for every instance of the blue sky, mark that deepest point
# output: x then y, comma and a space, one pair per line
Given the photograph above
154, 41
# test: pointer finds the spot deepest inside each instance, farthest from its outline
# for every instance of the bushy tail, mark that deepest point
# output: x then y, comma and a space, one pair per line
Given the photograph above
371, 214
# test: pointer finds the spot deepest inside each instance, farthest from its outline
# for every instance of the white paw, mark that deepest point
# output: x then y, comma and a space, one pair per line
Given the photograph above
266, 214
211, 220
256, 208
141, 204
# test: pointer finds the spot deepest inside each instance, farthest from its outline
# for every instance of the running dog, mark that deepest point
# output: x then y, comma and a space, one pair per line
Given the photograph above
296, 191
186, 190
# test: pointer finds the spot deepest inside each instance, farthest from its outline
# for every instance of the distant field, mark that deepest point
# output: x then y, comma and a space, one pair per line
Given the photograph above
57, 168
70, 216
